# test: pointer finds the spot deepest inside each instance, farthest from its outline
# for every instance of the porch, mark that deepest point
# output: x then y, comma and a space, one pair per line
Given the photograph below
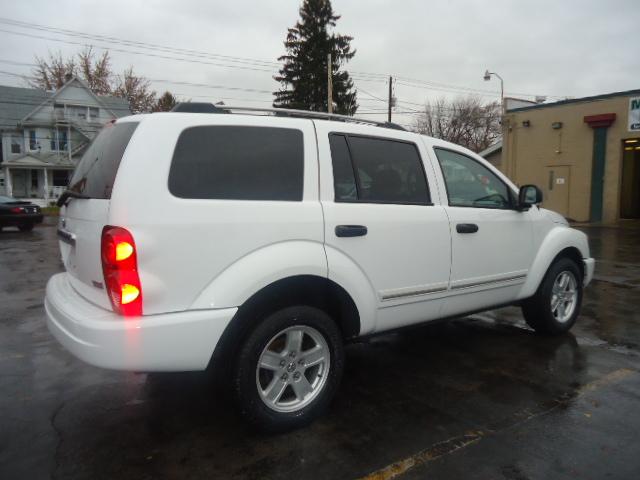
41, 186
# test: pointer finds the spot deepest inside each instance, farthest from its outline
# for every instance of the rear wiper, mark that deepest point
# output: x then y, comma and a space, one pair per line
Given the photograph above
67, 194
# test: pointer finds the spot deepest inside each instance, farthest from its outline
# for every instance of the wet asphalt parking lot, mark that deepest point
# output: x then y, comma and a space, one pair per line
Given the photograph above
481, 397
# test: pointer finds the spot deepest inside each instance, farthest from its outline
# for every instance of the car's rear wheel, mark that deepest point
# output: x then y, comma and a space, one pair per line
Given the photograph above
289, 368
26, 227
556, 305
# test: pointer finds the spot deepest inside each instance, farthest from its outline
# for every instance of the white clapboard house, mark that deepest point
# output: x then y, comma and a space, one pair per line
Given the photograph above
44, 134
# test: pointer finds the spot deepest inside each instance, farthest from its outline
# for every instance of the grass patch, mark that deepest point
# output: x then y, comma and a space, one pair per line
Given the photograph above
53, 211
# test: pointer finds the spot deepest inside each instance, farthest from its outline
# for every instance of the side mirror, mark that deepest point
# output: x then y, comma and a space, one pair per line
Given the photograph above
529, 195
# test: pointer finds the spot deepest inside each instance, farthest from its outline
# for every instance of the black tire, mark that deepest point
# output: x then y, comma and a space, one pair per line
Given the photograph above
25, 227
537, 310
246, 376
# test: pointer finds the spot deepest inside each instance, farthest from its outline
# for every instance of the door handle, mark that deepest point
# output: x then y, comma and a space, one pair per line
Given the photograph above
466, 228
351, 231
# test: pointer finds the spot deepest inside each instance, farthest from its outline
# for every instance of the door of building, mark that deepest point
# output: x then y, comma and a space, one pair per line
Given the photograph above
556, 195
630, 191
20, 180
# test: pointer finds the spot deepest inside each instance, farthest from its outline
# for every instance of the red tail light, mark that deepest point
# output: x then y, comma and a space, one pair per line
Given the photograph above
16, 210
120, 268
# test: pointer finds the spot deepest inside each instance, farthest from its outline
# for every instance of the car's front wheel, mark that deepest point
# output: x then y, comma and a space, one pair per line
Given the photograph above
556, 305
289, 368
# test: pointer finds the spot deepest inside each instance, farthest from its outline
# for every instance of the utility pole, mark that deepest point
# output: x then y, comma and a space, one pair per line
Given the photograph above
390, 97
329, 84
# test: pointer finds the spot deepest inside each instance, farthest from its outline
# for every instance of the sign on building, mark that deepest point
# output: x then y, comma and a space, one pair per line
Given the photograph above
634, 114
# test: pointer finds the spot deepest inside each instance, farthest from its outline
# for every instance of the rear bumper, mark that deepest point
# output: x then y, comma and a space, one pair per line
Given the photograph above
169, 342
589, 268
13, 220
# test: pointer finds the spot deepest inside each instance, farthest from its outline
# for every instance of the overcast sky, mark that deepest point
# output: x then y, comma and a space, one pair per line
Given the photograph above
554, 48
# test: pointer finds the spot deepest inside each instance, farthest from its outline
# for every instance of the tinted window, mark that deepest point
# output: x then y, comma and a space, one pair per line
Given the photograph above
240, 163
388, 171
344, 182
471, 184
97, 169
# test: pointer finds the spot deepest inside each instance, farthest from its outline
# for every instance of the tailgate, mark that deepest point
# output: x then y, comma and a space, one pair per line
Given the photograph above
82, 219
80, 232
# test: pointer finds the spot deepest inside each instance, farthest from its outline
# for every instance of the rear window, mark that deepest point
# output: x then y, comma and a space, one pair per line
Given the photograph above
238, 163
96, 172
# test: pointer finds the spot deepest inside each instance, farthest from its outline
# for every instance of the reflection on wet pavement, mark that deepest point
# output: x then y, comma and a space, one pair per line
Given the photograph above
480, 397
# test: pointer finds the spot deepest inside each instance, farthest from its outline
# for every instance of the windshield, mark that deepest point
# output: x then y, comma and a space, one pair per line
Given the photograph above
97, 169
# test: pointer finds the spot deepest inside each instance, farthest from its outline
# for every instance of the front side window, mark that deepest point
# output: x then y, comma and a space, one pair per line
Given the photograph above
238, 163
471, 184
376, 170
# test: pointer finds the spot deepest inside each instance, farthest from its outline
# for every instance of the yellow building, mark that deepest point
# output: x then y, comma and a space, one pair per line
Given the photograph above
583, 153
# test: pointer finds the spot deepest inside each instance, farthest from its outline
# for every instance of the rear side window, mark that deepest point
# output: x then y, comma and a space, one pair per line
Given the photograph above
96, 172
344, 182
376, 170
238, 163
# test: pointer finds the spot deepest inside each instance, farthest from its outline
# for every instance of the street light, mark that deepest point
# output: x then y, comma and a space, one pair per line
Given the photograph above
487, 77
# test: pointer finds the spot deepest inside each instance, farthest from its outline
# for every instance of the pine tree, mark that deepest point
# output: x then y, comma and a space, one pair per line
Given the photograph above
303, 75
165, 103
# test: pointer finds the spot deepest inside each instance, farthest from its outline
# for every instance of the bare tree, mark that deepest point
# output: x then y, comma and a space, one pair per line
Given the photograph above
136, 90
51, 73
464, 120
96, 71
165, 103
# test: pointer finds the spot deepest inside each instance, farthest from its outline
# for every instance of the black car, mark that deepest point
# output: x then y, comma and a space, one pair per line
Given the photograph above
17, 213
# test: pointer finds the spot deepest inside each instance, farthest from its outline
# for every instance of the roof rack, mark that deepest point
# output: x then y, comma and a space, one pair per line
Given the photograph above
201, 107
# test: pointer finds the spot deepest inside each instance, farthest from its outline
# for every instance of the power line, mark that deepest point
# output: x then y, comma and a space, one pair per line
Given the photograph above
243, 62
172, 82
133, 52
371, 95
182, 51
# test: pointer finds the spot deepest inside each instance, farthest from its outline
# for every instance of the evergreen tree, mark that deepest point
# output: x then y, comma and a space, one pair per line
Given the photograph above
303, 75
165, 103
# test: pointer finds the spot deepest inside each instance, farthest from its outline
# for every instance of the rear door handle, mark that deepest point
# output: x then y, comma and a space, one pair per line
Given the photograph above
466, 228
351, 231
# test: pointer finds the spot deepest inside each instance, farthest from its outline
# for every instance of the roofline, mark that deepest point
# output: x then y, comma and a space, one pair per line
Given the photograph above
286, 112
577, 100
491, 149
60, 90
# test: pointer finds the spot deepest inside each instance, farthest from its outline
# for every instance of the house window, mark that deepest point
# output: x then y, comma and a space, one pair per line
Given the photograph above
58, 111
59, 140
16, 145
60, 178
79, 112
94, 113
33, 140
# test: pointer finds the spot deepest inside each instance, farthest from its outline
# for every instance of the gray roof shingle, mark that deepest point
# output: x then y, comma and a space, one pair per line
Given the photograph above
16, 103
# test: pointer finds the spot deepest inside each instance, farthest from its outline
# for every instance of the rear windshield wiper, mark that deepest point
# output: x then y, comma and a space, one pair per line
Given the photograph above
67, 194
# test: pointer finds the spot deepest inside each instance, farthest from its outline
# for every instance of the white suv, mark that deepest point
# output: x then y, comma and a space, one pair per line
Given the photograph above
263, 242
